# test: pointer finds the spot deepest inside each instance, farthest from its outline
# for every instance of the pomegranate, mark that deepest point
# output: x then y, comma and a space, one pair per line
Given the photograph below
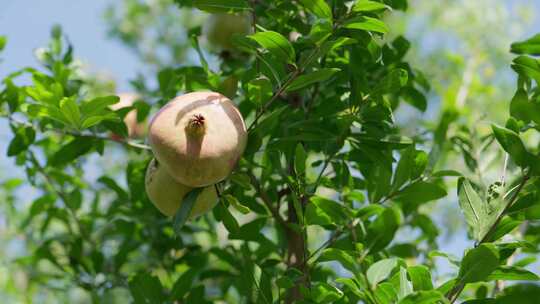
167, 194
221, 27
135, 129
198, 138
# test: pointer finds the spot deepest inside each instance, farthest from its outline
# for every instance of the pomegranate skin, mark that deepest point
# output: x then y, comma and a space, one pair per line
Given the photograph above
135, 129
198, 138
167, 194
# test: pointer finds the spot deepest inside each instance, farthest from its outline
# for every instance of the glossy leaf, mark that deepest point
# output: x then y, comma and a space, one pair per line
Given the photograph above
512, 144
530, 46
380, 270
318, 7
183, 213
146, 289
425, 297
305, 80
420, 277
367, 24
512, 273
368, 6
478, 263
24, 137
276, 44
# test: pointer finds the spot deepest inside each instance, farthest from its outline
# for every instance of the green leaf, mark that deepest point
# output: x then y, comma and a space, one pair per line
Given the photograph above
420, 277
97, 105
523, 109
411, 165
47, 111
24, 137
183, 213
478, 263
233, 201
380, 270
323, 211
530, 46
111, 184
318, 76
367, 24
74, 149
217, 6
300, 157
520, 293
351, 285
386, 293
223, 214
421, 192
276, 44
414, 97
391, 83
318, 7
474, 209
94, 120
512, 273
368, 6
405, 287
505, 226
342, 256
527, 67
325, 293
146, 289
3, 41
381, 231
512, 144
259, 90
265, 288
425, 297
71, 112
183, 284
196, 295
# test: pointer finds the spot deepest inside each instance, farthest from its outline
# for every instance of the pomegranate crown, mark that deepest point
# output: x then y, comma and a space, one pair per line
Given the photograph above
197, 120
196, 125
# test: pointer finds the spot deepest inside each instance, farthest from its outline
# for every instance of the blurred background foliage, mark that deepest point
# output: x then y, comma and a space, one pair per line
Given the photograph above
462, 47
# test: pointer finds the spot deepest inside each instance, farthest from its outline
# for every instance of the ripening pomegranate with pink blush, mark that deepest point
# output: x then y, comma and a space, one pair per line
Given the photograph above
135, 129
167, 194
198, 138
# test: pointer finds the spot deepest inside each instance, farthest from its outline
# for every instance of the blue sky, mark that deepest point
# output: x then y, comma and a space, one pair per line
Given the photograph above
27, 25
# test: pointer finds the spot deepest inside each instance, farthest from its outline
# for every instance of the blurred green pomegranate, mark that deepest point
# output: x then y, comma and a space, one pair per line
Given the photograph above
220, 28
